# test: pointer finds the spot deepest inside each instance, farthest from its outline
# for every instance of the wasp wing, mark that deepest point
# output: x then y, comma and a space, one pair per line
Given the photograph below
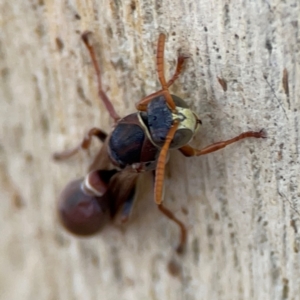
102, 160
121, 192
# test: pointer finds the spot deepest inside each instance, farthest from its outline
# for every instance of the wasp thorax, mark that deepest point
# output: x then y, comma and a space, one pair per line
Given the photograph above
161, 118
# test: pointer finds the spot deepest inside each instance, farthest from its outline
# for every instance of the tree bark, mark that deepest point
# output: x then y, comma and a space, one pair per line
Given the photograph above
240, 204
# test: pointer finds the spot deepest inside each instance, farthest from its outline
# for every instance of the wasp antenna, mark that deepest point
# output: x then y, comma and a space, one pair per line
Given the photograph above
143, 103
161, 70
160, 169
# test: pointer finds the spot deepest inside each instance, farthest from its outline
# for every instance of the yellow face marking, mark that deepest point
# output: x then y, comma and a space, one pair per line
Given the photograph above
188, 119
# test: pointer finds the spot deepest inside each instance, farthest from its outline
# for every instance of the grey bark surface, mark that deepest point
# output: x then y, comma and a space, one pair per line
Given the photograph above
241, 204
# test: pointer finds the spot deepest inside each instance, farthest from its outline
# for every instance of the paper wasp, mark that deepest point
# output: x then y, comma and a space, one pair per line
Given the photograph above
138, 142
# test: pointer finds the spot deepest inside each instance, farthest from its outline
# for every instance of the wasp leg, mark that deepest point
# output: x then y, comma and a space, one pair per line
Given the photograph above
183, 231
190, 151
142, 104
109, 106
85, 144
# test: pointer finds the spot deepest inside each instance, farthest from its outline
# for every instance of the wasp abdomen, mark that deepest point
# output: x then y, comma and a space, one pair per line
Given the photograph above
81, 213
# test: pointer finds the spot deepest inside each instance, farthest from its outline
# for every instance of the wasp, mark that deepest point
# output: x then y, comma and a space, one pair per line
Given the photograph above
139, 142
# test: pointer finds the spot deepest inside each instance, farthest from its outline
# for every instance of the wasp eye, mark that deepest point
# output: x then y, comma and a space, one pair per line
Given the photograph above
81, 213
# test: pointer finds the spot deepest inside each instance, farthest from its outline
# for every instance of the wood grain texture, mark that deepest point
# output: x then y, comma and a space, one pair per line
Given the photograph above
241, 204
